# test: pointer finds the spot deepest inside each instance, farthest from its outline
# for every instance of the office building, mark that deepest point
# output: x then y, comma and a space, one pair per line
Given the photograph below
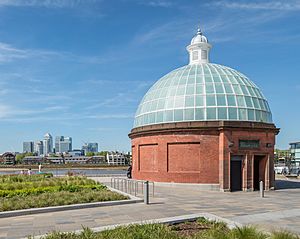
48, 144
90, 148
295, 153
39, 148
28, 147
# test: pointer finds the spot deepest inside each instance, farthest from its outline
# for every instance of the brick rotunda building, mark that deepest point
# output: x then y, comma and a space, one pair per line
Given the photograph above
204, 123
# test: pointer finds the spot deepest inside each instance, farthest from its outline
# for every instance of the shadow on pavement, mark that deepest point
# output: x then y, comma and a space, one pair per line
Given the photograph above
286, 184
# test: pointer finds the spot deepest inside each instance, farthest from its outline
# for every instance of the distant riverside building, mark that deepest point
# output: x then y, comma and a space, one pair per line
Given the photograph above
76, 152
66, 159
63, 144
90, 148
48, 144
39, 148
295, 152
115, 158
8, 158
28, 147
204, 123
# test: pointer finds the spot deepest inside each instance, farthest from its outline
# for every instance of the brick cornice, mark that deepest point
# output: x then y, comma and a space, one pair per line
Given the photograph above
198, 126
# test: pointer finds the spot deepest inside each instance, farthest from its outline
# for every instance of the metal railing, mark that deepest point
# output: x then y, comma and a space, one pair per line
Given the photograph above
134, 187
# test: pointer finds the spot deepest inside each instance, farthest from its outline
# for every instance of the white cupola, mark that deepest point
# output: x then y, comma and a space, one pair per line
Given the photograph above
199, 49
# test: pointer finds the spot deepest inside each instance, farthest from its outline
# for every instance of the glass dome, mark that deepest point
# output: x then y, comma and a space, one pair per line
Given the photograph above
203, 92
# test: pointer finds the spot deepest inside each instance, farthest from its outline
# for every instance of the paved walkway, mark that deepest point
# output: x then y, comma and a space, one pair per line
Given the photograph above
279, 209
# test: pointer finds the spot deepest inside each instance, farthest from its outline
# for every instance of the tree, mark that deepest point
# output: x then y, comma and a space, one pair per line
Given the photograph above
89, 154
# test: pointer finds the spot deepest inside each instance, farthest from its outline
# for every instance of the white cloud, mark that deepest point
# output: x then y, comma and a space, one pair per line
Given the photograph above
158, 3
45, 3
287, 5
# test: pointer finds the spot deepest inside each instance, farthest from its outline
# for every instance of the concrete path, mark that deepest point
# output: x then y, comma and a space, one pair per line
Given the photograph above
279, 209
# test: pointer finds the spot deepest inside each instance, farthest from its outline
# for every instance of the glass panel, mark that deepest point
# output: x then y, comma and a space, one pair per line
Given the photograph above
180, 90
159, 116
228, 88
232, 113
237, 89
216, 79
163, 93
153, 105
255, 102
206, 70
219, 88
199, 79
231, 100
172, 91
191, 79
210, 100
241, 101
161, 104
199, 100
152, 118
211, 113
221, 101
209, 88
199, 89
183, 80
262, 105
190, 90
170, 102
248, 101
199, 114
189, 114
222, 113
178, 115
199, 70
245, 91
251, 115
189, 101
251, 92
168, 115
179, 102
242, 114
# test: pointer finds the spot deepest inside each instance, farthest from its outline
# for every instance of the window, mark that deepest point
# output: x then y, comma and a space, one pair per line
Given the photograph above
195, 55
204, 54
249, 144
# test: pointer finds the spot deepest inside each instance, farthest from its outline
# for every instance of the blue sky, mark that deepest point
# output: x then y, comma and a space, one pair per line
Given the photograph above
80, 67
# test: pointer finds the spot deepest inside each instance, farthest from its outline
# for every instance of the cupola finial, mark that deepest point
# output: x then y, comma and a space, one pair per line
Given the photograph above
199, 48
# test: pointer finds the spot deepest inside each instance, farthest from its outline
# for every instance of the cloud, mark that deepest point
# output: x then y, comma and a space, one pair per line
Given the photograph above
45, 3
8, 111
287, 5
157, 3
10, 53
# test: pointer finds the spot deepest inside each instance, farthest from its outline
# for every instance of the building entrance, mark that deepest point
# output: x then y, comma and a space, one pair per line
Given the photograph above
236, 173
258, 171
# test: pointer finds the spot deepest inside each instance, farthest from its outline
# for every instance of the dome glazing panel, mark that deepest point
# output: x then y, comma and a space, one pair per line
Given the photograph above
203, 92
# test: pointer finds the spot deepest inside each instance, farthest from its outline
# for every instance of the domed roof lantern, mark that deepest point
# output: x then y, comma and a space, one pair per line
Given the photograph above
199, 49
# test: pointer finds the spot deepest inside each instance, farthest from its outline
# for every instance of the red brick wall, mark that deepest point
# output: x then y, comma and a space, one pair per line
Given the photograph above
190, 158
201, 156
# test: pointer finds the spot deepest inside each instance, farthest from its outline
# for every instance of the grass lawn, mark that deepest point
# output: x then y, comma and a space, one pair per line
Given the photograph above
201, 229
23, 191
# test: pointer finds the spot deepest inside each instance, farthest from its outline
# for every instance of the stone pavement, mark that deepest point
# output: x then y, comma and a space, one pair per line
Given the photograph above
279, 209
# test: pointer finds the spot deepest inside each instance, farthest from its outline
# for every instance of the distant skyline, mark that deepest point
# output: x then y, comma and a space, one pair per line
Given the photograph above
81, 67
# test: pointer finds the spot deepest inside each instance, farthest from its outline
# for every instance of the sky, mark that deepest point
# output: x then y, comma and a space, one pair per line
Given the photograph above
79, 68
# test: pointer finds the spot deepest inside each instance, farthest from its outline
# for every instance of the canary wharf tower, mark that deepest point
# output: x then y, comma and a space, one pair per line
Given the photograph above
204, 123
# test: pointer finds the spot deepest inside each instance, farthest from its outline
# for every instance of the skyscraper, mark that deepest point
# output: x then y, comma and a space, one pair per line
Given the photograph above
58, 139
39, 148
48, 144
90, 148
63, 144
28, 147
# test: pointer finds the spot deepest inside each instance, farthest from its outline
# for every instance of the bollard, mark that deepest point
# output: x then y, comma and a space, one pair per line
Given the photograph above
261, 189
146, 192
